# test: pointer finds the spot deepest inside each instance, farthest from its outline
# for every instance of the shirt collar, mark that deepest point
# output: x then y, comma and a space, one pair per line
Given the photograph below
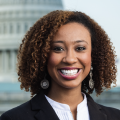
66, 107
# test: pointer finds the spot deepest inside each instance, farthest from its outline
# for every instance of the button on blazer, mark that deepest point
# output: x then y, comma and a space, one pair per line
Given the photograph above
38, 108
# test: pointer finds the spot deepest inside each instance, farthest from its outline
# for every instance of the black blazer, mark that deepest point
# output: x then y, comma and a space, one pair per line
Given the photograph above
38, 108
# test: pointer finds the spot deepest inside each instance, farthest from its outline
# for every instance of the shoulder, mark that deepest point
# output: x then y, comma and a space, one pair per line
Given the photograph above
32, 110
18, 112
101, 110
109, 111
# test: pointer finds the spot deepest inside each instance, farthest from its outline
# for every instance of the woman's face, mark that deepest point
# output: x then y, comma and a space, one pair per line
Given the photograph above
71, 47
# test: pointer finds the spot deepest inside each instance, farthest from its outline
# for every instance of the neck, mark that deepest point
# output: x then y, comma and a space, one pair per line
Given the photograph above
70, 96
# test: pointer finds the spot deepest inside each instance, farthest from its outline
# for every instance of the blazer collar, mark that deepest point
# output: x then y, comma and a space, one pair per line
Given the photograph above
95, 109
46, 112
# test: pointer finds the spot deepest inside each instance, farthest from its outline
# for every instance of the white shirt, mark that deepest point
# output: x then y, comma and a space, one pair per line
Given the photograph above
63, 110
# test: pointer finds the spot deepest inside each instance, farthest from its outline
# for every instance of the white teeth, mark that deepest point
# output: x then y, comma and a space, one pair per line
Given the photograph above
69, 72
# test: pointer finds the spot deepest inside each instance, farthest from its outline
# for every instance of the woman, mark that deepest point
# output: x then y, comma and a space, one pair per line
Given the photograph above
63, 58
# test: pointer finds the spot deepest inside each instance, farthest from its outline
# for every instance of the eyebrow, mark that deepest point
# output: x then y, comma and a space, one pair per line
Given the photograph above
73, 42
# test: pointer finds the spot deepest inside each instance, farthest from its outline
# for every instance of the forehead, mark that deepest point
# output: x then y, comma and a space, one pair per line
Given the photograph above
72, 32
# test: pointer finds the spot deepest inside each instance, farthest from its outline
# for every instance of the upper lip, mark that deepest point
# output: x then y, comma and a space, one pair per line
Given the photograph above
69, 68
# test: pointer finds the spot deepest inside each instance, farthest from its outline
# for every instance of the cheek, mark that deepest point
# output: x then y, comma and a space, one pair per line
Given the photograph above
86, 60
53, 60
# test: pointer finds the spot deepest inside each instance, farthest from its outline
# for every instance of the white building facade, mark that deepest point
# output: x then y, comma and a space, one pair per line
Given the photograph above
16, 17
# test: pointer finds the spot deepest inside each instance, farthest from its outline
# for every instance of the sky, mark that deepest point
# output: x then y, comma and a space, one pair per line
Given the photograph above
107, 14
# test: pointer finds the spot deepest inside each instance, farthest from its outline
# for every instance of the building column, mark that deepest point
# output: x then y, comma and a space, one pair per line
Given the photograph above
0, 29
12, 60
1, 68
5, 61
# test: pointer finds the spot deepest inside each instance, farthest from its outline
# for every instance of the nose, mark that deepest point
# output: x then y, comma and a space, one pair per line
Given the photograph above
70, 57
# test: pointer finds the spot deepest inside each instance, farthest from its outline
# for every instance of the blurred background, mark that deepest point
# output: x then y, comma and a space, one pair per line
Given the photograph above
17, 16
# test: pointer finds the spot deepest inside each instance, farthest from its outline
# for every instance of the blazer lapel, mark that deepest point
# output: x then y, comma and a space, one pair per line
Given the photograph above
94, 109
45, 111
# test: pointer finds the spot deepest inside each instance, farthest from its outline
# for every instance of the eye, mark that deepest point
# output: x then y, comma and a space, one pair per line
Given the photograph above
81, 48
57, 49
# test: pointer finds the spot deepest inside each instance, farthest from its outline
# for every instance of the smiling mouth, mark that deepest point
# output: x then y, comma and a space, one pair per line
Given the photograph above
69, 72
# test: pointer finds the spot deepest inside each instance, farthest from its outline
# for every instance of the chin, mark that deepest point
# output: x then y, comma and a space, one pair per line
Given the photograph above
71, 85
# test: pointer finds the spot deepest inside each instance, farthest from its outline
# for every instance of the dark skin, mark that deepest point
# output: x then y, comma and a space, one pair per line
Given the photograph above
69, 54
